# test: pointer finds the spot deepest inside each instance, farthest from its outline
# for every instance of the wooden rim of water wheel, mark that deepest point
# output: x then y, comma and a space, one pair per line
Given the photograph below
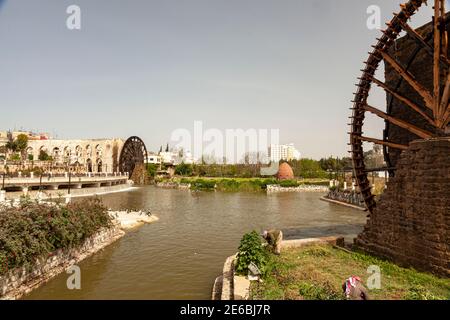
433, 103
133, 152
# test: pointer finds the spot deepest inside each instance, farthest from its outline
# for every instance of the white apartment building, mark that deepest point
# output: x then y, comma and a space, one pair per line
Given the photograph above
153, 158
286, 152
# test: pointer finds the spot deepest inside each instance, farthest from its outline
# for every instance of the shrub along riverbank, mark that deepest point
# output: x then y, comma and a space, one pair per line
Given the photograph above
33, 230
242, 184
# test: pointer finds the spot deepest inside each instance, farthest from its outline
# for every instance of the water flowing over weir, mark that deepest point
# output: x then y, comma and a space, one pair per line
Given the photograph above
179, 256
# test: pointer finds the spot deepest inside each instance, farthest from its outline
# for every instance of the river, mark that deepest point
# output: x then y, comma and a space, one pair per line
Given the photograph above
179, 256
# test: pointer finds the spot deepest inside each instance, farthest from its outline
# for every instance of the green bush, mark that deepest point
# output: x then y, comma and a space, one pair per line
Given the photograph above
151, 169
43, 156
251, 250
289, 183
15, 157
417, 292
35, 230
184, 169
203, 184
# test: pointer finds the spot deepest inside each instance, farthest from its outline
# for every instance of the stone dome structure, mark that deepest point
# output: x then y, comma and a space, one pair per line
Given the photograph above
285, 172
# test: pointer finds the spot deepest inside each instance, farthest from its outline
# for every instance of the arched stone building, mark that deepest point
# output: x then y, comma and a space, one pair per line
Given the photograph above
91, 155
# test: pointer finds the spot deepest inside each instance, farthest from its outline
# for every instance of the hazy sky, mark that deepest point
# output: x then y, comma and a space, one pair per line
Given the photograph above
148, 67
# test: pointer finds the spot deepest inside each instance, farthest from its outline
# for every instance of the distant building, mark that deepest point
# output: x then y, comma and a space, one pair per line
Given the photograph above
87, 155
175, 157
285, 152
168, 157
29, 134
153, 158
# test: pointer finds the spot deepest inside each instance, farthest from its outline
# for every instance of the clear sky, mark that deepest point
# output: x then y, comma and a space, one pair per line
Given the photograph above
147, 67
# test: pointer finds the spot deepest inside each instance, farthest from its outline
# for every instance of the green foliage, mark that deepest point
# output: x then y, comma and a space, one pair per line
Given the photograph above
335, 164
229, 185
226, 170
30, 157
203, 184
307, 168
184, 169
151, 169
21, 142
43, 156
420, 293
11, 145
35, 230
15, 157
251, 250
289, 183
318, 291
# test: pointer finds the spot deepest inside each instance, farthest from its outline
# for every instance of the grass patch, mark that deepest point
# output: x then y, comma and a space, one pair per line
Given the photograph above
317, 272
242, 184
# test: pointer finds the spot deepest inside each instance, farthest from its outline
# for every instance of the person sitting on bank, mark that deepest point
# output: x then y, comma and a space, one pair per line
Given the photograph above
354, 289
274, 239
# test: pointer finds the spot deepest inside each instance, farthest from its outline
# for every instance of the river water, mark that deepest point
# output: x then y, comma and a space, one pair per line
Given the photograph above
179, 256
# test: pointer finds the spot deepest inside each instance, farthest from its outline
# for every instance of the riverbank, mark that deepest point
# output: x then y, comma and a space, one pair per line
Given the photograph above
269, 185
170, 259
21, 280
317, 272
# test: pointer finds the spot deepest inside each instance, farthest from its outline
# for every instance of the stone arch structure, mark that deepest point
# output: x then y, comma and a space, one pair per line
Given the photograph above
107, 150
78, 153
56, 154
99, 165
89, 165
98, 151
88, 151
30, 153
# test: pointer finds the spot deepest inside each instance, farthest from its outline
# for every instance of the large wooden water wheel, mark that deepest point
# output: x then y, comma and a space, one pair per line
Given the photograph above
133, 153
417, 85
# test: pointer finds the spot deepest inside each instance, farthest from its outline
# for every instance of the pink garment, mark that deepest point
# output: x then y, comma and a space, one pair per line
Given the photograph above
349, 283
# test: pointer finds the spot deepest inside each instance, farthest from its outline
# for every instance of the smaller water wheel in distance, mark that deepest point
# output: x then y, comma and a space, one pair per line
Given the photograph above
421, 94
133, 153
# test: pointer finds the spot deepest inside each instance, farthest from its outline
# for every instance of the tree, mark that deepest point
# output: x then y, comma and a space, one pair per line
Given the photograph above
152, 168
11, 144
374, 158
184, 169
21, 144
43, 156
307, 168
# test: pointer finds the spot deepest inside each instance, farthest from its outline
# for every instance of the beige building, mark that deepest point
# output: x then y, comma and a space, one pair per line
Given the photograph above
92, 155
87, 155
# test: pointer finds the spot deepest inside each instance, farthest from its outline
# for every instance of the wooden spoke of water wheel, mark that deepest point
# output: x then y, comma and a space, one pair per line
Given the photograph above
434, 105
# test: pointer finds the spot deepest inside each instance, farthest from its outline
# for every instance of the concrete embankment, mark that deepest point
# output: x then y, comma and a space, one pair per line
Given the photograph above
20, 281
302, 188
63, 193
